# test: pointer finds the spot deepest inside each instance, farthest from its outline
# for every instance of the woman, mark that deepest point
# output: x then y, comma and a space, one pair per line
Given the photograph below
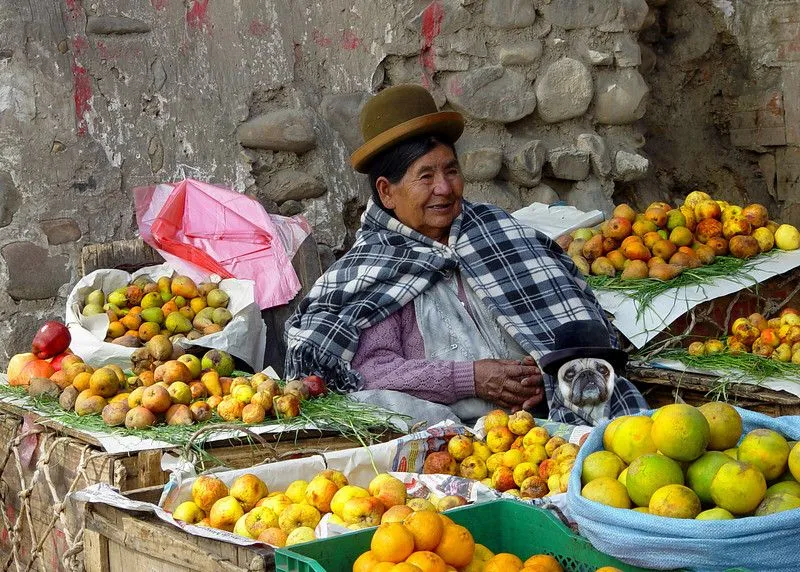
438, 298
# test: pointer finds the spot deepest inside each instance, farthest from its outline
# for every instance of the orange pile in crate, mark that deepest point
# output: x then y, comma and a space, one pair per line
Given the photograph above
777, 338
663, 241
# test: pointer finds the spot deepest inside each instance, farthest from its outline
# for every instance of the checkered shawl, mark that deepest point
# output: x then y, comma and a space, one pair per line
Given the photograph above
523, 277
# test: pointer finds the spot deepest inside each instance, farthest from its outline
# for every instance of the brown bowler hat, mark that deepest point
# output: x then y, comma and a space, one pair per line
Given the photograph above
399, 113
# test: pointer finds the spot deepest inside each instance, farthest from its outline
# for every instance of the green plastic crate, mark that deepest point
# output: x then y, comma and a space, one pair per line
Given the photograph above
503, 526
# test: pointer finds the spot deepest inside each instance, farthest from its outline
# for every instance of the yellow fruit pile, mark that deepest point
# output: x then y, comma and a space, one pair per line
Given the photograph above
664, 241
517, 457
287, 517
172, 306
167, 386
683, 462
777, 338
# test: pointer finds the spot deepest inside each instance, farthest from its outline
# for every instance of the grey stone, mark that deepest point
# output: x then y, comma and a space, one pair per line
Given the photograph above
509, 14
541, 193
9, 199
600, 58
293, 185
619, 96
630, 166
285, 130
326, 256
449, 14
60, 230
445, 61
467, 42
155, 150
626, 52
648, 57
568, 163
491, 93
591, 194
571, 14
493, 193
524, 164
631, 16
564, 90
341, 113
291, 208
115, 25
521, 54
32, 273
481, 163
599, 156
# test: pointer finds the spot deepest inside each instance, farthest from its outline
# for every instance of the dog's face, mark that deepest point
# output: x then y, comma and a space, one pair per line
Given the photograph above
586, 382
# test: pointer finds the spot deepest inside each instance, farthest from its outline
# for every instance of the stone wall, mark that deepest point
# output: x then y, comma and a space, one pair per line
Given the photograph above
575, 100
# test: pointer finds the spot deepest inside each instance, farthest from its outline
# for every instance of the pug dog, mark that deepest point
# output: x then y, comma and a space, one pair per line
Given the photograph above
586, 385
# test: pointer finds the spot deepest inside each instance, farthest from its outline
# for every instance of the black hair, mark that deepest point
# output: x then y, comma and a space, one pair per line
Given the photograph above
395, 161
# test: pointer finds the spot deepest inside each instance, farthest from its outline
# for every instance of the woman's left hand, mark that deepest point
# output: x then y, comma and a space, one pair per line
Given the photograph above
532, 380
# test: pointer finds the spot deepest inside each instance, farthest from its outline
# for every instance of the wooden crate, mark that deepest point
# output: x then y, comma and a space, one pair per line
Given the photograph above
53, 460
117, 540
661, 387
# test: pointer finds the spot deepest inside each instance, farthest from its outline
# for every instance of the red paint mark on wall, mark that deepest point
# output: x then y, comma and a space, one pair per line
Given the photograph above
82, 94
79, 45
197, 16
349, 40
74, 9
321, 39
159, 4
775, 104
455, 87
258, 28
431, 27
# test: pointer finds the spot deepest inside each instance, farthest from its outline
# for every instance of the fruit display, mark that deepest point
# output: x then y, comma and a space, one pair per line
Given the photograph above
166, 385
283, 518
777, 338
517, 457
426, 541
172, 306
663, 241
693, 463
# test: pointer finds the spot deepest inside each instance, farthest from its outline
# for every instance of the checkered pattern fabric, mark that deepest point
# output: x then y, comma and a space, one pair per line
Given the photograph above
523, 277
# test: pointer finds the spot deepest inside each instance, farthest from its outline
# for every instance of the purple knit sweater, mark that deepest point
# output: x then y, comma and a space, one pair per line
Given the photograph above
391, 355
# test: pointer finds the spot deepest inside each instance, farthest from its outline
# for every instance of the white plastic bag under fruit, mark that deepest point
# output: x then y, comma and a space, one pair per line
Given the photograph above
763, 543
244, 337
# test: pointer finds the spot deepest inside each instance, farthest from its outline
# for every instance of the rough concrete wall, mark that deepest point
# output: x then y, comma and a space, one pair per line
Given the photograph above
99, 97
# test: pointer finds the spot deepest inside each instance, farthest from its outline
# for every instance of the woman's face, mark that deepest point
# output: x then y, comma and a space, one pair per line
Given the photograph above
428, 197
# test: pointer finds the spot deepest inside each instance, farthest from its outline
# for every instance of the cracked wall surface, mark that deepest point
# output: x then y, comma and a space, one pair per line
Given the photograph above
587, 102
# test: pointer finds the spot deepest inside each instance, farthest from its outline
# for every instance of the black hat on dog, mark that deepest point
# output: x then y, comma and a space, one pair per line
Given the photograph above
582, 339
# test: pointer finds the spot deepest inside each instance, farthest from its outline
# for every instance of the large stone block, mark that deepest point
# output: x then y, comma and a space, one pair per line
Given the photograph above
9, 199
539, 194
341, 113
491, 93
564, 90
591, 194
521, 53
32, 273
632, 15
293, 186
285, 130
619, 96
630, 166
599, 156
568, 163
509, 14
571, 14
481, 163
627, 52
115, 25
60, 230
523, 164
501, 195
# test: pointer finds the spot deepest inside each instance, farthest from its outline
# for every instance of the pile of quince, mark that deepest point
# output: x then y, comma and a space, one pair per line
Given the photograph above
281, 518
517, 457
777, 338
172, 306
663, 241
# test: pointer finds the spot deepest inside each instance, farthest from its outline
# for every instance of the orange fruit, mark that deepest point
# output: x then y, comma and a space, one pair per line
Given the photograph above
383, 567
366, 562
503, 562
405, 567
456, 546
446, 520
392, 542
544, 562
426, 527
427, 561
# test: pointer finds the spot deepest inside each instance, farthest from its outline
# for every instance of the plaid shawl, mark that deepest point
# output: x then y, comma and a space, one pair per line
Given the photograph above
523, 277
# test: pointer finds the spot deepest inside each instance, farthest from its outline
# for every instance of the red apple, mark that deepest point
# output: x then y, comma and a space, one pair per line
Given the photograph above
55, 363
52, 339
315, 385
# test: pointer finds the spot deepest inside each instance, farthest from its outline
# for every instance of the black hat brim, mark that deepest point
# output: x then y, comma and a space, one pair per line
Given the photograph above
551, 362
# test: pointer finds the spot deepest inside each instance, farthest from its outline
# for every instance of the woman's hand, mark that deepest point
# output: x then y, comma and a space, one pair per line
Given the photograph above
509, 383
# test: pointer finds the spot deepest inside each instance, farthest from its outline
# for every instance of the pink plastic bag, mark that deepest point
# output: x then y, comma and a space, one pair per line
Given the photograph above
203, 229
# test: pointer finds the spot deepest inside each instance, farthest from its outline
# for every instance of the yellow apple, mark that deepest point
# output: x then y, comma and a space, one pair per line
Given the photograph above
319, 493
523, 471
192, 362
460, 447
450, 501
367, 510
299, 535
224, 513
397, 513
297, 515
473, 467
495, 419
537, 435
481, 449
418, 504
206, 490
389, 490
259, 519
248, 489
188, 512
240, 527
337, 477
297, 490
343, 495
521, 422
275, 502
